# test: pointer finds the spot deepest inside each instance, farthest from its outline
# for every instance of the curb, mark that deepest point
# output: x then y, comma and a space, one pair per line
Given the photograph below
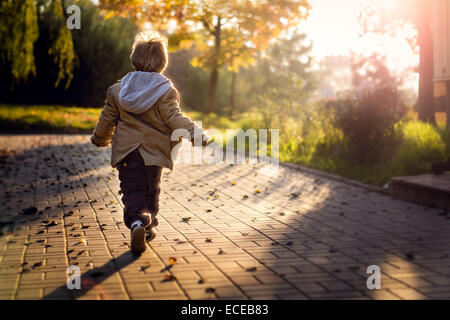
323, 174
335, 177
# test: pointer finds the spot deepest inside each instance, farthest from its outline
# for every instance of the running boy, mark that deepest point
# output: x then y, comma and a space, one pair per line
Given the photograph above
140, 113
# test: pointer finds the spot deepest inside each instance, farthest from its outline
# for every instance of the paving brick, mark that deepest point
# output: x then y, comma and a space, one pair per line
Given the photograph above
317, 246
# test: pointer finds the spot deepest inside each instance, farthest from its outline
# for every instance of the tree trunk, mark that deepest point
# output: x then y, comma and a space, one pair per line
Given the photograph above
447, 103
426, 96
232, 93
214, 77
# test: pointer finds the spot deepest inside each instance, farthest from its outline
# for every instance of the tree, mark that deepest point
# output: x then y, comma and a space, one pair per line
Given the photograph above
372, 71
286, 68
19, 32
100, 40
426, 97
418, 13
220, 29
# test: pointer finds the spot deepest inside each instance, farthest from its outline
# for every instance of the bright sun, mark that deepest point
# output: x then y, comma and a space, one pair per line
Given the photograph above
334, 28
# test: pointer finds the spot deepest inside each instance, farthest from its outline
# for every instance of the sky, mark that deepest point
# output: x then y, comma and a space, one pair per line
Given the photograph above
334, 29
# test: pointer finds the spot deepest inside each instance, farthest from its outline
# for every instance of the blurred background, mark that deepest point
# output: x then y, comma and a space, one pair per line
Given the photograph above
356, 87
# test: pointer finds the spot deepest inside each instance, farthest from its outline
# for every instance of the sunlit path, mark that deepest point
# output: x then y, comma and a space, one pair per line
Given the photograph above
228, 232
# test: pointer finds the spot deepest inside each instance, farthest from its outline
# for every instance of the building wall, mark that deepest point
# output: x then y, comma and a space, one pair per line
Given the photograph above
441, 39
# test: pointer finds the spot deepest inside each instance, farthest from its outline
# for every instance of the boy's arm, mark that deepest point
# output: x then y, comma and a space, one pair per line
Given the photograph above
107, 122
171, 113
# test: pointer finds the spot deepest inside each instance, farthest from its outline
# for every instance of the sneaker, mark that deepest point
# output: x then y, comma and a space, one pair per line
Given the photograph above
149, 234
138, 244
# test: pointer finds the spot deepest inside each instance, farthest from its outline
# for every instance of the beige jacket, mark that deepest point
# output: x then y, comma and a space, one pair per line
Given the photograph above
150, 131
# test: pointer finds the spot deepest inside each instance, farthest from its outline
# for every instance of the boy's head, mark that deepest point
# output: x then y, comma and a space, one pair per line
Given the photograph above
149, 52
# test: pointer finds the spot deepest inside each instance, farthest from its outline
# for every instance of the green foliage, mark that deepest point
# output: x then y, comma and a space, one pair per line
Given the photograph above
18, 32
285, 69
367, 119
61, 42
47, 119
313, 141
101, 49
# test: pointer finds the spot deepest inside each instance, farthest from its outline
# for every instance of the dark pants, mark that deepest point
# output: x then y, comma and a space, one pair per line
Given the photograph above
140, 187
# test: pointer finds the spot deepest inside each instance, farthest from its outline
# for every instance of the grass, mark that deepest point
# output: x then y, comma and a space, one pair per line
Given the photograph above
417, 146
59, 119
42, 118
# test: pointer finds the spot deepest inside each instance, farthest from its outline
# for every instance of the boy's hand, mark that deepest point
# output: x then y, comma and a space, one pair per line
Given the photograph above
96, 141
205, 140
209, 141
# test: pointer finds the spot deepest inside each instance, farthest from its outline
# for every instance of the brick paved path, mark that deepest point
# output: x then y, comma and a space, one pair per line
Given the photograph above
236, 232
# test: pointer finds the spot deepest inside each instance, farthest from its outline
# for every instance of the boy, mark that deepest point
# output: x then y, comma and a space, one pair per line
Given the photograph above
140, 113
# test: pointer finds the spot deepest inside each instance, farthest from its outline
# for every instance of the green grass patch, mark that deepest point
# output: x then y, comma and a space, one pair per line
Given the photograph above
320, 146
417, 145
40, 118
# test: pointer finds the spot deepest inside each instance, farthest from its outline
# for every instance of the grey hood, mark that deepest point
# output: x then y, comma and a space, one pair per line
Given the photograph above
139, 91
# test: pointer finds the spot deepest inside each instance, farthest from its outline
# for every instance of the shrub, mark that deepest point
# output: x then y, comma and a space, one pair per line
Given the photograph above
421, 145
367, 119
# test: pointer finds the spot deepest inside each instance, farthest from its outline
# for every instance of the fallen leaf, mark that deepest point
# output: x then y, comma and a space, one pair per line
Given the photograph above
144, 267
169, 277
172, 260
410, 256
233, 183
257, 191
29, 210
210, 290
295, 195
245, 197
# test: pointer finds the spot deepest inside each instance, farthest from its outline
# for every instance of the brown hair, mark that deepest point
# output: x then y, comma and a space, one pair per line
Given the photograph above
149, 52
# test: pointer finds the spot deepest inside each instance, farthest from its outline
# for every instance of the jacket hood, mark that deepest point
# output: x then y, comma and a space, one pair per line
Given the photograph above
139, 91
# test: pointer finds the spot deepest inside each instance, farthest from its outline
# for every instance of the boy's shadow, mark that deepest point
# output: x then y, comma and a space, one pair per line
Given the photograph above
93, 278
